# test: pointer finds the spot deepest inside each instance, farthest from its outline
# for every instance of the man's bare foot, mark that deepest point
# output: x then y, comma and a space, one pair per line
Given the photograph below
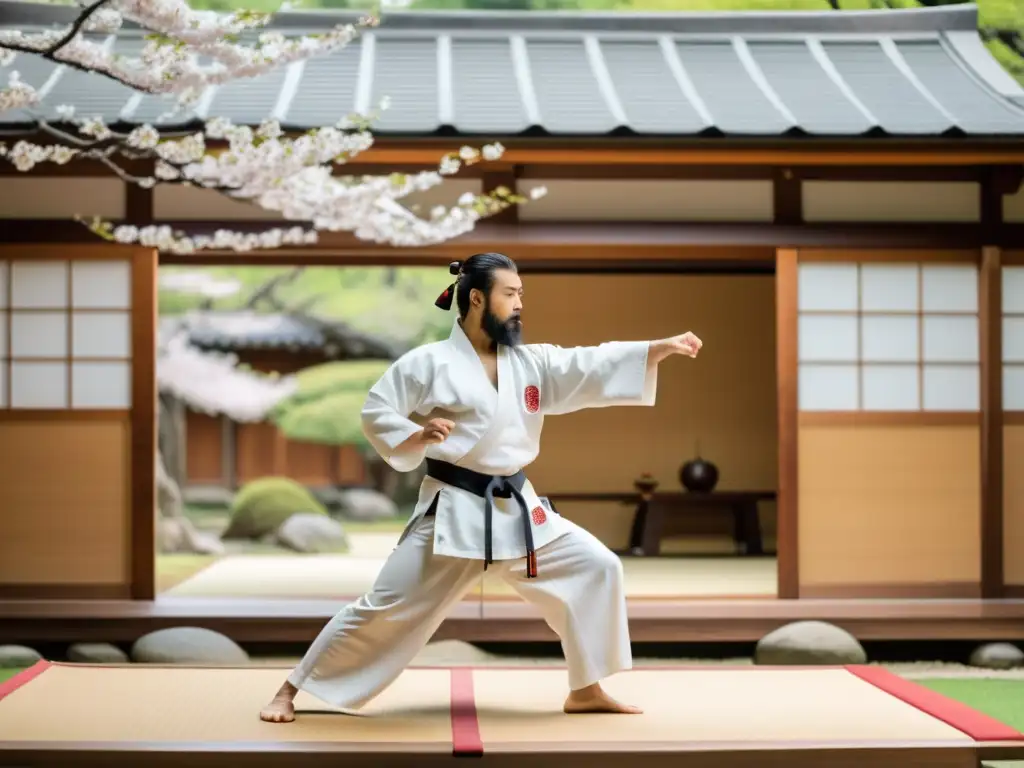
281, 709
594, 699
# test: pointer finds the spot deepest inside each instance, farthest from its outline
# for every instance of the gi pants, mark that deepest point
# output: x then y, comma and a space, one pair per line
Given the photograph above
365, 647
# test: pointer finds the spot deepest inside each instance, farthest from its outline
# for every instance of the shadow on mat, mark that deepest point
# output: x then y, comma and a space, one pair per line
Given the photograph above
398, 712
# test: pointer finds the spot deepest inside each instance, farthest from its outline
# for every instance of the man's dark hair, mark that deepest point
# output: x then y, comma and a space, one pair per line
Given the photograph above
475, 272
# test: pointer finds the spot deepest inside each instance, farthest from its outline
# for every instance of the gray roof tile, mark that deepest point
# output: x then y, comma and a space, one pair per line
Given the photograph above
327, 91
807, 90
489, 101
736, 102
899, 73
406, 72
896, 103
568, 95
976, 110
648, 90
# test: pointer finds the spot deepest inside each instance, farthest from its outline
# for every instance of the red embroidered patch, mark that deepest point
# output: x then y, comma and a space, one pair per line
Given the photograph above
539, 516
532, 398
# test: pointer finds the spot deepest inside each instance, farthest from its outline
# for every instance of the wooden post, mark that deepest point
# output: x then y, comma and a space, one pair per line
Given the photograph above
787, 373
144, 415
990, 324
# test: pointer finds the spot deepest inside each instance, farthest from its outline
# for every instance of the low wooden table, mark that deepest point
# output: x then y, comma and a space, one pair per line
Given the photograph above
657, 515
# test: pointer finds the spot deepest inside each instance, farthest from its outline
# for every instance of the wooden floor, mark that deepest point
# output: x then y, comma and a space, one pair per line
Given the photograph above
248, 620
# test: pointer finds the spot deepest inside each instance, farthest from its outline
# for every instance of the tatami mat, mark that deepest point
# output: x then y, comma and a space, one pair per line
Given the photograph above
494, 711
707, 706
69, 703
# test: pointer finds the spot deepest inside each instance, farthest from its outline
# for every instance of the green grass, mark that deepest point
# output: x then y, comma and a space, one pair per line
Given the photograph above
1002, 698
6, 673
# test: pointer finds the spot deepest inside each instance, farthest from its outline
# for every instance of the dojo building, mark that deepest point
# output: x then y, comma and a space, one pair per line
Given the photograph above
831, 200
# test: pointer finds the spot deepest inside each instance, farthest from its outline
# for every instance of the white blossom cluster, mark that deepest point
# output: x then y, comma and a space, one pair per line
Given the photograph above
293, 176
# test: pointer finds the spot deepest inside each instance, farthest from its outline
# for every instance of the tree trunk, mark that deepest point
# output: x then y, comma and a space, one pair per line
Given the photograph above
175, 532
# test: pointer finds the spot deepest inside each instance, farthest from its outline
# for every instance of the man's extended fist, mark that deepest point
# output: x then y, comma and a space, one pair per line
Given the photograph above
687, 344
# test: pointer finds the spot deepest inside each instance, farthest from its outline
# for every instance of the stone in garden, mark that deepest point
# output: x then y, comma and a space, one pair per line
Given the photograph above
366, 505
997, 656
188, 645
809, 643
96, 653
312, 533
13, 656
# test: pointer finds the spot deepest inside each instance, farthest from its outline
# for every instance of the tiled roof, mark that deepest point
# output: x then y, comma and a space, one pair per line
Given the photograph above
912, 73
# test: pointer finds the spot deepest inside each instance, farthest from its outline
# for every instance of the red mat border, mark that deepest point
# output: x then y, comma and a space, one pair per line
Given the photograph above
977, 725
466, 739
24, 677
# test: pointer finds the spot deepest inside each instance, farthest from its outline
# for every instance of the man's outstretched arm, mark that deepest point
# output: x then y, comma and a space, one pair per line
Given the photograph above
614, 373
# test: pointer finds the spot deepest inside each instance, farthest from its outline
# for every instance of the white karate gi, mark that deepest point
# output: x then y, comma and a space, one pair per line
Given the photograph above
578, 588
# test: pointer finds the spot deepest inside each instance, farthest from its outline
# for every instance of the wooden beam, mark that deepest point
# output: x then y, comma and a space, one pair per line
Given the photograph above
598, 171
990, 321
138, 205
554, 242
788, 197
619, 151
786, 371
492, 179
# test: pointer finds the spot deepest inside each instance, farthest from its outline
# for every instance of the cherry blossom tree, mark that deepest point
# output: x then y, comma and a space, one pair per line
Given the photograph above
188, 51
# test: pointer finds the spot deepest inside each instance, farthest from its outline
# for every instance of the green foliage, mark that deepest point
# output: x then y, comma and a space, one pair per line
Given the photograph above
327, 406
260, 507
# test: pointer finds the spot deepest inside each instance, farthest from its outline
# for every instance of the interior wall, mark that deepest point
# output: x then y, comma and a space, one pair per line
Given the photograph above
649, 200
891, 201
725, 400
39, 197
64, 492
1013, 207
1013, 504
894, 506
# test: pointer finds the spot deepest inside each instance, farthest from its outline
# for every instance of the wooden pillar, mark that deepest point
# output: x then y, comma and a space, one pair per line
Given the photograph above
145, 415
990, 323
179, 423
229, 471
786, 371
280, 453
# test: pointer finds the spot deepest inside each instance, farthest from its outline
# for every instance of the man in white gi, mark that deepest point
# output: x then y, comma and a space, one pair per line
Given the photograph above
472, 407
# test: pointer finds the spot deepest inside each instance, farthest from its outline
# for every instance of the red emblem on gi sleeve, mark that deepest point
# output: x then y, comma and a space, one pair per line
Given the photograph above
532, 399
538, 515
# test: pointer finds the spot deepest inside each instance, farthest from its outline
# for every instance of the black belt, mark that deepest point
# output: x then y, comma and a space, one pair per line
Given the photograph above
487, 487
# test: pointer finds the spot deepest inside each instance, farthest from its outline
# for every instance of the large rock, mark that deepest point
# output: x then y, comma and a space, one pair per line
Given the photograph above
366, 505
16, 656
997, 656
178, 535
312, 533
96, 653
811, 643
188, 645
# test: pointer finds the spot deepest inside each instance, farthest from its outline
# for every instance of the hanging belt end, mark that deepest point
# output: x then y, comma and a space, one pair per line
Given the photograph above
531, 565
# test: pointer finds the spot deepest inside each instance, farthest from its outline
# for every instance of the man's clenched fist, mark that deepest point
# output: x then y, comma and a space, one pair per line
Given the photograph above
434, 431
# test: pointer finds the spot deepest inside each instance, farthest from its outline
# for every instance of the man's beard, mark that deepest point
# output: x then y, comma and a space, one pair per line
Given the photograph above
509, 333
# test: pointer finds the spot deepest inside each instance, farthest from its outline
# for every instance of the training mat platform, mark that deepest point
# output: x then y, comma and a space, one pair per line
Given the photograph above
703, 717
